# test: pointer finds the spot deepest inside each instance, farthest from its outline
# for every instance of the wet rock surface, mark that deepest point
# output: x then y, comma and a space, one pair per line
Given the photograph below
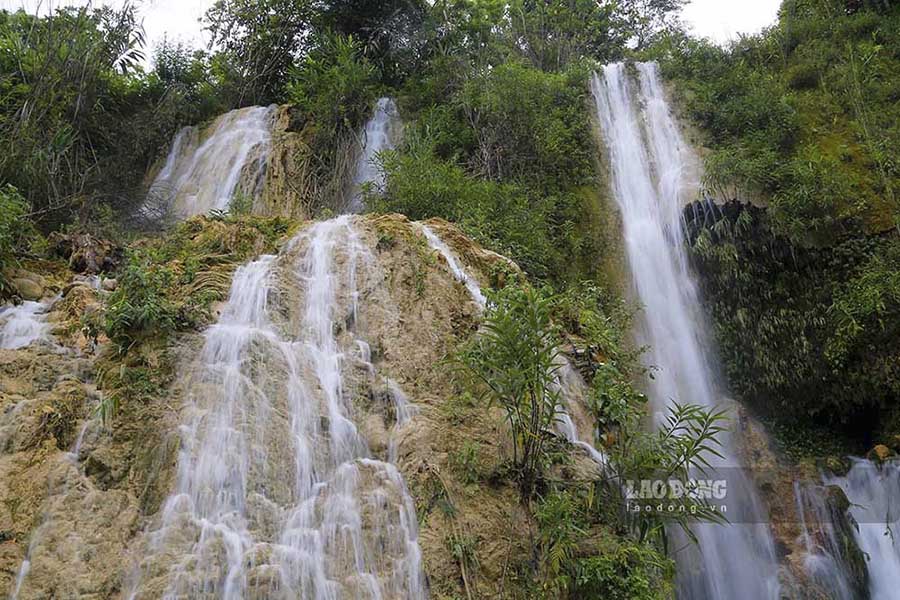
82, 518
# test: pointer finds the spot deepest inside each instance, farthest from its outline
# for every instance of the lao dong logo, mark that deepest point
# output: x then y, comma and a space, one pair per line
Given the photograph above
671, 495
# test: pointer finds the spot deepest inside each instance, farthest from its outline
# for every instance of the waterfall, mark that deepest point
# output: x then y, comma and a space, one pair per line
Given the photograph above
459, 272
276, 493
203, 175
381, 133
653, 171
825, 562
874, 495
24, 325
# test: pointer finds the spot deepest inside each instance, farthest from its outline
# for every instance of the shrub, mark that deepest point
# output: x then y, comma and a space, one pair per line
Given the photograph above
14, 229
504, 217
610, 568
334, 87
139, 307
632, 572
515, 361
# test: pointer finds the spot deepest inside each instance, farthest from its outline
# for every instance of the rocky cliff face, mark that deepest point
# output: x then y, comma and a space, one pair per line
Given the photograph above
287, 189
77, 497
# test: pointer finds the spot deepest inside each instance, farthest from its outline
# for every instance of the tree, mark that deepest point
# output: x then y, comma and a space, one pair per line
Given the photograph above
644, 20
552, 34
259, 40
390, 31
59, 76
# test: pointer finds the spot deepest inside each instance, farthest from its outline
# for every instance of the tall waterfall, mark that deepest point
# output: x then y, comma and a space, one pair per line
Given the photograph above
652, 175
874, 495
277, 495
203, 175
380, 134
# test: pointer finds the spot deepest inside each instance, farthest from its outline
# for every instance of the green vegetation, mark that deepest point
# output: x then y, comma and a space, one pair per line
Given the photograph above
614, 568
805, 333
511, 160
168, 285
333, 90
804, 115
139, 307
516, 360
80, 122
14, 231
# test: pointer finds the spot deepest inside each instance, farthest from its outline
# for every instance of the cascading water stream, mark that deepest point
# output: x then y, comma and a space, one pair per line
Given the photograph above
381, 133
825, 562
874, 494
24, 325
458, 271
276, 494
651, 169
198, 177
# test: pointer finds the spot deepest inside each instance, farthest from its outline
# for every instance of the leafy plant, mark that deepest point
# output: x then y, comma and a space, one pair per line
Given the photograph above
139, 307
515, 362
14, 230
560, 523
466, 462
686, 444
632, 572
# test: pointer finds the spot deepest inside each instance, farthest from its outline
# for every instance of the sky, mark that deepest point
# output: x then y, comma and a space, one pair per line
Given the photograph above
719, 20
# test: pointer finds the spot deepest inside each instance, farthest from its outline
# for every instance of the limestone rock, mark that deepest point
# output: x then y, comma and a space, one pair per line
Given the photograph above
86, 253
28, 288
880, 453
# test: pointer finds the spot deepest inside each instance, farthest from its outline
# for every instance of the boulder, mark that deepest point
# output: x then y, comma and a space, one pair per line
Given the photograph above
880, 453
29, 289
86, 253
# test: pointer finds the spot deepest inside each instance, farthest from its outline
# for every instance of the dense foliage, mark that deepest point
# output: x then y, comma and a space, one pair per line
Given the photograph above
80, 122
13, 231
804, 115
815, 327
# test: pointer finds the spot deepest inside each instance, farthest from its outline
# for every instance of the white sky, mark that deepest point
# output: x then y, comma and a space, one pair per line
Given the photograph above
723, 20
720, 20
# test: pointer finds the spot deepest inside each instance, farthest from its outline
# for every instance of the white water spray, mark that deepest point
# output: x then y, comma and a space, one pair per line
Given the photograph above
874, 494
200, 176
458, 271
653, 170
24, 325
825, 558
381, 133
